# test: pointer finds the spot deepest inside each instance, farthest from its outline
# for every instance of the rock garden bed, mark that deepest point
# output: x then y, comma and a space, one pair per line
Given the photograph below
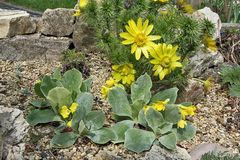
28, 54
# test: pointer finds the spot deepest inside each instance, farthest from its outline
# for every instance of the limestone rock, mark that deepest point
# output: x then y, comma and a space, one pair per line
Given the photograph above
13, 128
14, 22
158, 153
202, 61
57, 22
83, 35
207, 13
204, 148
193, 92
33, 46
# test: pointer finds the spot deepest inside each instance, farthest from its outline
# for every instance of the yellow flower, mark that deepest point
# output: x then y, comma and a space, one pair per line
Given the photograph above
208, 84
77, 13
64, 112
181, 124
73, 107
109, 84
162, 1
188, 8
69, 123
165, 59
138, 36
210, 43
160, 105
83, 3
124, 73
181, 2
187, 111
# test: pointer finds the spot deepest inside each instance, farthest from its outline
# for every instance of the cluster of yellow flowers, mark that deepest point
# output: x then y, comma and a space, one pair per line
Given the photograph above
164, 55
188, 8
185, 111
123, 74
210, 43
81, 4
65, 112
159, 106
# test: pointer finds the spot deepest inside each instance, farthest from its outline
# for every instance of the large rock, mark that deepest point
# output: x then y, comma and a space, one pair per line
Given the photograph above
193, 92
14, 22
201, 62
158, 153
204, 148
13, 127
33, 46
207, 13
57, 22
83, 35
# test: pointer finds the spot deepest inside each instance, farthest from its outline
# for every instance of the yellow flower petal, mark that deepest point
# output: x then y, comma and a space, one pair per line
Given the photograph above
64, 112
73, 107
181, 124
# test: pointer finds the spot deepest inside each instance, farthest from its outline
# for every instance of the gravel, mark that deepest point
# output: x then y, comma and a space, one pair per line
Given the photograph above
217, 117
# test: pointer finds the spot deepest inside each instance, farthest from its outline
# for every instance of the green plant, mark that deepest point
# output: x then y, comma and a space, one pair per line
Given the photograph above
109, 20
58, 92
231, 75
143, 119
219, 156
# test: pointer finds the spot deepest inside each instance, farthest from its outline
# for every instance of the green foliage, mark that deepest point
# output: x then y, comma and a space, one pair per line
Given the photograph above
42, 116
138, 140
219, 156
231, 75
155, 125
108, 20
42, 5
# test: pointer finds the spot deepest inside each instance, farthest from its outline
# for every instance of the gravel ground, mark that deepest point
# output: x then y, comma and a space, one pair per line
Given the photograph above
217, 118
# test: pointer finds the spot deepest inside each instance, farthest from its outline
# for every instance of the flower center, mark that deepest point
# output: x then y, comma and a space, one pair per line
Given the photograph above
140, 39
166, 62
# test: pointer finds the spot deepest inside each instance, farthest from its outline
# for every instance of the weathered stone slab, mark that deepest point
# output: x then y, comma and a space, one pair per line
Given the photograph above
202, 61
14, 22
159, 153
83, 35
57, 22
13, 127
33, 46
207, 13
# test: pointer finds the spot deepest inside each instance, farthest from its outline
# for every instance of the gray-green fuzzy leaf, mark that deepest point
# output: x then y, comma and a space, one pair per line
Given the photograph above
140, 90
117, 98
86, 85
170, 94
186, 133
85, 100
120, 128
78, 115
154, 119
72, 80
101, 136
42, 116
136, 108
142, 119
47, 84
58, 97
164, 128
138, 140
172, 114
94, 120
64, 140
169, 141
